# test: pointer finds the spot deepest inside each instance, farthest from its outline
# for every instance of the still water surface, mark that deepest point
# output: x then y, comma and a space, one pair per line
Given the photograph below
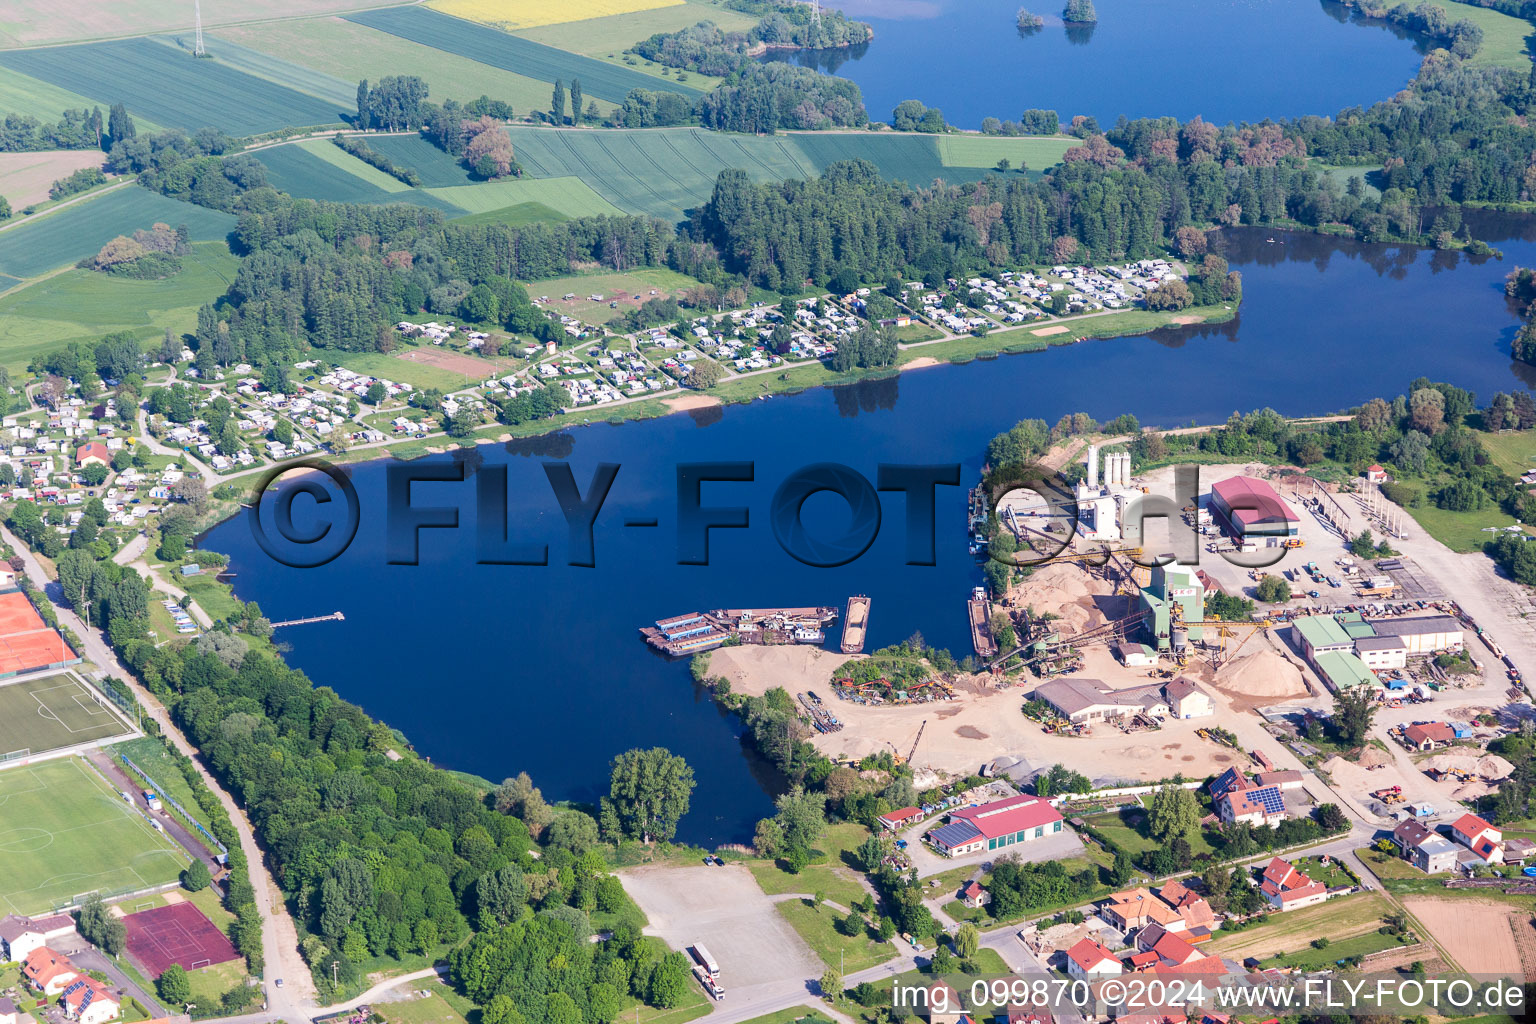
498, 669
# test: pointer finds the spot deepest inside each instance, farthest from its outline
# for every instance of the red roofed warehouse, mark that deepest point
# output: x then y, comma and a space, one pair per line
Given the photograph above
1248, 506
893, 820
995, 825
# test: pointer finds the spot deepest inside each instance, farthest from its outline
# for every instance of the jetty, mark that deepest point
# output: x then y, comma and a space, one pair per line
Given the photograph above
333, 617
855, 624
980, 610
694, 632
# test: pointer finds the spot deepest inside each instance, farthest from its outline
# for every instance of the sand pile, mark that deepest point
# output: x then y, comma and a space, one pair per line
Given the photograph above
1264, 674
1489, 766
1370, 757
1065, 590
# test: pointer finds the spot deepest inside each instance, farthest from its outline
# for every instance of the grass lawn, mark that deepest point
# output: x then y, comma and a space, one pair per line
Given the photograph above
83, 305
793, 1015
832, 877
1460, 531
1506, 40
61, 812
419, 375
1341, 173
434, 1009
1338, 919
818, 926
1332, 874
210, 983
215, 598
1310, 959
150, 754
1513, 451
1127, 829
637, 283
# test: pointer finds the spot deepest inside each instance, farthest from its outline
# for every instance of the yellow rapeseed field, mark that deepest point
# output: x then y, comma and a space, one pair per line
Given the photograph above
516, 14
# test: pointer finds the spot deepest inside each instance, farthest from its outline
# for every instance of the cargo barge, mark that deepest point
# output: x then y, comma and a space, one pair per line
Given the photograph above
855, 624
979, 609
695, 632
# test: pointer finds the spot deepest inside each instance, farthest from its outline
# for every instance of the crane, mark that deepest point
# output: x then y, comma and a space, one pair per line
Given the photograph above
911, 753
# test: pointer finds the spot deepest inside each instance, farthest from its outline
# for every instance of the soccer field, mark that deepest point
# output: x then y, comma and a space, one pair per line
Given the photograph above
52, 712
64, 832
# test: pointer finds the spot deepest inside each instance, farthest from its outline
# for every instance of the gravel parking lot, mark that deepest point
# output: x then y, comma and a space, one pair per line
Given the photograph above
723, 908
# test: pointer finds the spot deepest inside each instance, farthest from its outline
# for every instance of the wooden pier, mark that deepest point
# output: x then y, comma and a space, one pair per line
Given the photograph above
856, 624
333, 617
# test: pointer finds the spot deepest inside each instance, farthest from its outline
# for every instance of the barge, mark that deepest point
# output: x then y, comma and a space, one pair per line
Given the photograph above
855, 624
695, 632
980, 610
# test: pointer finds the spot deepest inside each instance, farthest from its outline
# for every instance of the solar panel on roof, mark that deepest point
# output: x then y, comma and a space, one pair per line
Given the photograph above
956, 833
1270, 797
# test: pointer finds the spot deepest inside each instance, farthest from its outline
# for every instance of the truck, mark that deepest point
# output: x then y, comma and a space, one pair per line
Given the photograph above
705, 960
708, 982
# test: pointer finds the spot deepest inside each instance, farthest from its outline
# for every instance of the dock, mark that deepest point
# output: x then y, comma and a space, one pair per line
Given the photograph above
980, 610
855, 624
333, 617
695, 632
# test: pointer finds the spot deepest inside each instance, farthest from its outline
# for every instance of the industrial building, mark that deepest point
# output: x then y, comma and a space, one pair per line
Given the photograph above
1329, 646
996, 825
1174, 593
1424, 634
1099, 504
1248, 508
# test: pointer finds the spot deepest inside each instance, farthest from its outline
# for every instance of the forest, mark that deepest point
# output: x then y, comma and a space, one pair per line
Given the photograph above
710, 50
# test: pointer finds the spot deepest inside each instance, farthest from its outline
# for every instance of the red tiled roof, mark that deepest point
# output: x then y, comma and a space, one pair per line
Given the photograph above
1434, 732
1002, 817
1088, 954
1471, 826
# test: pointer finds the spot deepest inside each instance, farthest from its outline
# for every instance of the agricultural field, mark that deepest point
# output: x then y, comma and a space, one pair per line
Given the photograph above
26, 95
317, 169
349, 52
171, 88
512, 216
436, 168
59, 238
613, 34
629, 290
514, 14
35, 22
25, 177
571, 197
276, 68
1036, 153
666, 171
61, 813
605, 81
83, 305
1341, 918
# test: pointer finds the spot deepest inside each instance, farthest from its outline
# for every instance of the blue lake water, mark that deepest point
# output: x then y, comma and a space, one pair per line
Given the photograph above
1225, 60
498, 669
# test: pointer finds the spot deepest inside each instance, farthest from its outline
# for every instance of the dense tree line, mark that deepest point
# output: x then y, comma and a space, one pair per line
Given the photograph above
1429, 19
394, 104
762, 98
75, 129
708, 49
359, 148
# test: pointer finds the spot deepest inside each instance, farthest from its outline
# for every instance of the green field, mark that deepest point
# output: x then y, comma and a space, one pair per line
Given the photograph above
348, 52
637, 282
150, 754
1507, 41
83, 305
328, 152
665, 172
1513, 452
570, 196
1341, 918
50, 712
66, 833
276, 67
1341, 173
419, 375
165, 86
601, 79
818, 926
34, 22
986, 150
514, 216
436, 168
616, 33
25, 95
434, 1009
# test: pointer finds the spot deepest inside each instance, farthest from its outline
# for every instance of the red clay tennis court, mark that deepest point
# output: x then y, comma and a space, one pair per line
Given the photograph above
26, 642
177, 934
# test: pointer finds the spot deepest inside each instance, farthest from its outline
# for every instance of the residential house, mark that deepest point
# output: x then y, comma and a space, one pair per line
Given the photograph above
1172, 950
1480, 837
1260, 805
1424, 848
1287, 888
1429, 735
48, 972
93, 453
89, 1001
973, 895
1089, 959
942, 1004
1138, 908
19, 936
9, 1014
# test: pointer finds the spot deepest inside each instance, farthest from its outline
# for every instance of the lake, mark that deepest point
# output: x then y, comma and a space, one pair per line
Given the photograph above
499, 669
1225, 60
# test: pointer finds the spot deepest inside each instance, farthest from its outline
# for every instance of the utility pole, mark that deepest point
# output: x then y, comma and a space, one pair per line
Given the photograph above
197, 17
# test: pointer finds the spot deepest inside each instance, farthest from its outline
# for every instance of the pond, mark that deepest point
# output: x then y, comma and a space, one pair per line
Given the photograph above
1225, 60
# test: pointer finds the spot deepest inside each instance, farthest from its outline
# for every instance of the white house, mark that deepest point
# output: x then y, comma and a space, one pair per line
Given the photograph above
1089, 959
